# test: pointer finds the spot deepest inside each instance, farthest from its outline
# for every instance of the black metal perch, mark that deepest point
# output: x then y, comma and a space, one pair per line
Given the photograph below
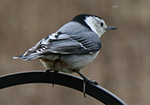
74, 82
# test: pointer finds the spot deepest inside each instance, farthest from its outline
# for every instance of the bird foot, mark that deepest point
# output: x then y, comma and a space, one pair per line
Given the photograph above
86, 80
48, 71
90, 81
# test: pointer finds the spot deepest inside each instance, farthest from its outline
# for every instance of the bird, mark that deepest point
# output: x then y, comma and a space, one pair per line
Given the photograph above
72, 47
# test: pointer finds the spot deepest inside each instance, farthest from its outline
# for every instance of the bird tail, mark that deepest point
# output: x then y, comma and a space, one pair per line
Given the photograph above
28, 57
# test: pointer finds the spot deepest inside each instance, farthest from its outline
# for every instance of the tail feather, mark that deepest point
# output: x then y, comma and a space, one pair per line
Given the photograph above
29, 57
17, 57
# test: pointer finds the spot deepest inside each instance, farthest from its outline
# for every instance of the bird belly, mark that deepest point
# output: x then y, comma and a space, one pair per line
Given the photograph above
56, 65
77, 62
53, 62
69, 63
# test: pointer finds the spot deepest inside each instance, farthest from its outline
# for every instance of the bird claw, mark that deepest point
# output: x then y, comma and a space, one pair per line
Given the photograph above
46, 72
90, 81
53, 85
86, 80
84, 85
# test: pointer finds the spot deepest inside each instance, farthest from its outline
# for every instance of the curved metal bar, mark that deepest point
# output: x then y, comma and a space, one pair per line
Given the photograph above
74, 82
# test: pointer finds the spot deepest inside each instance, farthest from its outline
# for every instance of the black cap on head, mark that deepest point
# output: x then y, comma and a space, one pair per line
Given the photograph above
81, 17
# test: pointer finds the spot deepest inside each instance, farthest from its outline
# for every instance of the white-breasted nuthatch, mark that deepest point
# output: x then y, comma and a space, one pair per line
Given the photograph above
72, 47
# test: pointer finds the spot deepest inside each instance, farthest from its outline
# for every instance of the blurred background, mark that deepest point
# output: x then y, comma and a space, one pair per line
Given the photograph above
122, 65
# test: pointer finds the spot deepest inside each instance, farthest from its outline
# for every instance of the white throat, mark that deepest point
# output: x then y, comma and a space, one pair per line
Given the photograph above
95, 24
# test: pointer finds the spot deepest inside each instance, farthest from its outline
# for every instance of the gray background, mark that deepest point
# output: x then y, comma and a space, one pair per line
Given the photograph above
122, 65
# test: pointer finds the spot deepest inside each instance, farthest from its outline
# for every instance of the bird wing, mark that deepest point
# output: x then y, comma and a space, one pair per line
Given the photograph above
63, 43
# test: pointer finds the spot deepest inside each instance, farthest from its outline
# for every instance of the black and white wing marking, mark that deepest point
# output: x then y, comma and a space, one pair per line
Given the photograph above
62, 43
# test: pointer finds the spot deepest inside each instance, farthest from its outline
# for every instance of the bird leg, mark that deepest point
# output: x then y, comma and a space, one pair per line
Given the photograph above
86, 80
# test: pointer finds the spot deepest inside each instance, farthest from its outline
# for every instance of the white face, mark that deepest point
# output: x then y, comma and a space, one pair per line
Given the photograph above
96, 24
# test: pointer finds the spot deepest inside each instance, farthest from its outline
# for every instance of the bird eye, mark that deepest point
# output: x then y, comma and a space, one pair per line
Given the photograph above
102, 24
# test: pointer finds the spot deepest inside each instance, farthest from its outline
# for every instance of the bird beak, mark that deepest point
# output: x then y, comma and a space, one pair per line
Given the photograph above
110, 28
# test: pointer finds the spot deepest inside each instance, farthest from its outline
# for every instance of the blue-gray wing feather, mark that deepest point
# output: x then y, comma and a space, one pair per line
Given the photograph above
73, 44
